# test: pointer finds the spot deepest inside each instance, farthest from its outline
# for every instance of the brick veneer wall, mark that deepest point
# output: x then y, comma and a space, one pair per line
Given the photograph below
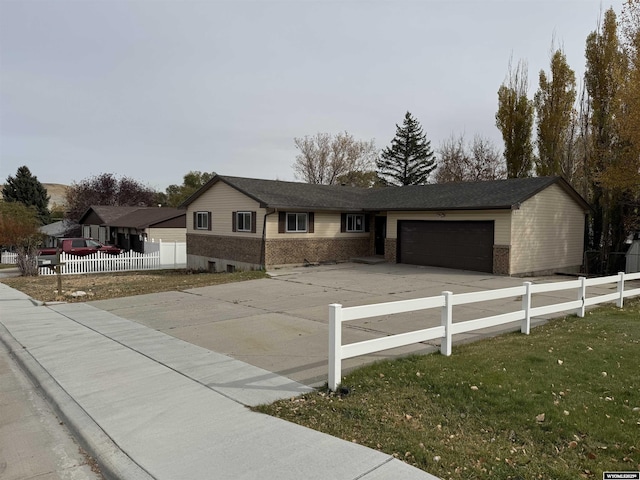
390, 250
241, 249
298, 251
501, 259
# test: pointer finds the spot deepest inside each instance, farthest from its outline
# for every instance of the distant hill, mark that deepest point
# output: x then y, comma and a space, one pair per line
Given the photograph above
56, 191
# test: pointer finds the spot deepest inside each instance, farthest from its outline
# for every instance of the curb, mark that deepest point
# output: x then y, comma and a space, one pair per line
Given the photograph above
113, 462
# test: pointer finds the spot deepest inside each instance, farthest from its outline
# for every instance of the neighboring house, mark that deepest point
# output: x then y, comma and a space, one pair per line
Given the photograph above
516, 226
129, 227
56, 230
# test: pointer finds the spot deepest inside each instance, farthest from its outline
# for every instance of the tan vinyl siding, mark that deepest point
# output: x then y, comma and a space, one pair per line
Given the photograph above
502, 219
326, 225
167, 234
222, 200
547, 233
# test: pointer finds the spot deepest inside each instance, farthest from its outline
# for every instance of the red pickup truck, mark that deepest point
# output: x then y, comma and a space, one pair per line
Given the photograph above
80, 247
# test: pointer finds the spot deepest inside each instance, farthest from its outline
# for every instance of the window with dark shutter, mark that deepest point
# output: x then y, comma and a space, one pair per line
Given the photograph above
310, 227
244, 221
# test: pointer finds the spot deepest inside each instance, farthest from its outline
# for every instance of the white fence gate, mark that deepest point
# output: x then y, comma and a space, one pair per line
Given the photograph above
446, 302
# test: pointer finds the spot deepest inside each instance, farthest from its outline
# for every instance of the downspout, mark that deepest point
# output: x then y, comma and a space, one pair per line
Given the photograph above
263, 249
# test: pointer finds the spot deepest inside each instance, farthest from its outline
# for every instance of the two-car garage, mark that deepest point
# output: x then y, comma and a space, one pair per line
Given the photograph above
465, 245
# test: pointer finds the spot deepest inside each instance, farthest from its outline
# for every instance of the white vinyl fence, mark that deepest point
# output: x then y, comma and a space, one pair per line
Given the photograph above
165, 255
157, 256
447, 300
9, 258
101, 262
172, 254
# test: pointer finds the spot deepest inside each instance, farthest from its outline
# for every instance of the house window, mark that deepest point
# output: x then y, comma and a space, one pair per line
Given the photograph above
243, 221
202, 221
296, 222
355, 222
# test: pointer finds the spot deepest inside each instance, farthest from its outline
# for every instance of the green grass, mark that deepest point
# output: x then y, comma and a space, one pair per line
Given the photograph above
561, 403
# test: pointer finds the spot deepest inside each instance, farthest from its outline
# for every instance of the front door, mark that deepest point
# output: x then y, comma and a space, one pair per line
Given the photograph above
380, 234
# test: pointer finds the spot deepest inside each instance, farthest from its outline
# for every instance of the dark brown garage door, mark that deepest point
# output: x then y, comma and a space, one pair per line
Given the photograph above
461, 245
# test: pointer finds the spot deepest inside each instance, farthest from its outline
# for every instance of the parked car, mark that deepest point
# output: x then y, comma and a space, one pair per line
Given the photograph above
80, 247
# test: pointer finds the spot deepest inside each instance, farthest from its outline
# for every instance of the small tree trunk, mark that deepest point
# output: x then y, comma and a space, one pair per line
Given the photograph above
27, 261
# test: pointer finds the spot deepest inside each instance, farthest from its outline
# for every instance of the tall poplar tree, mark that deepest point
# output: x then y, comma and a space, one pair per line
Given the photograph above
26, 189
605, 71
554, 102
409, 160
624, 171
514, 119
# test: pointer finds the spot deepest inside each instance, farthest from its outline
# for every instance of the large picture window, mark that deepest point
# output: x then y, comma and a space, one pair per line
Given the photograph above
296, 222
355, 222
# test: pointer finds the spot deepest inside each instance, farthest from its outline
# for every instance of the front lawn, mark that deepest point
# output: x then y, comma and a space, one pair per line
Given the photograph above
561, 403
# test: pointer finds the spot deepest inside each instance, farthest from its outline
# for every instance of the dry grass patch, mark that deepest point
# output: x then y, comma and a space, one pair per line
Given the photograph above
104, 286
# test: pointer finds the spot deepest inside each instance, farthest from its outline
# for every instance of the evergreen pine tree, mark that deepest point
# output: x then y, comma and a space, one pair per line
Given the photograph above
409, 160
26, 189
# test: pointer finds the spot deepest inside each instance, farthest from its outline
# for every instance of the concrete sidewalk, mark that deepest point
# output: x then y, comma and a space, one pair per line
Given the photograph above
148, 405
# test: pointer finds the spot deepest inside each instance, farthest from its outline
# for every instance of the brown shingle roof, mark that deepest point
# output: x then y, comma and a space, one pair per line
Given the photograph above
147, 216
135, 217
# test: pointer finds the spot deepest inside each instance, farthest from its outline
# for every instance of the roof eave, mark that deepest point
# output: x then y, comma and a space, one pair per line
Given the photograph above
441, 209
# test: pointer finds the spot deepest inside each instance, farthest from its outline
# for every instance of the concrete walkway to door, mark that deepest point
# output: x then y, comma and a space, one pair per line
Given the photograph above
280, 324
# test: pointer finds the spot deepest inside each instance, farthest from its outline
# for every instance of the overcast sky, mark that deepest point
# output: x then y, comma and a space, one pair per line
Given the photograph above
153, 89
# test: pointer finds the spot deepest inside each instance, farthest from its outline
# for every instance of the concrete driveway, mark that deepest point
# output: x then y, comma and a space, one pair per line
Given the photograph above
281, 323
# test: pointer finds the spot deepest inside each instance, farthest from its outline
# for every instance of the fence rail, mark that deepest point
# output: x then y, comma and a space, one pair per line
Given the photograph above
447, 300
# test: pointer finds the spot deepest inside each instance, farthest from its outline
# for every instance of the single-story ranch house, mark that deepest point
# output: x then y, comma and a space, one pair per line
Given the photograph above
518, 226
129, 227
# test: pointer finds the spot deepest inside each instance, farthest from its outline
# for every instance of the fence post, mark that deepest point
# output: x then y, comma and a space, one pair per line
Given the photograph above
620, 301
447, 320
335, 346
582, 295
526, 306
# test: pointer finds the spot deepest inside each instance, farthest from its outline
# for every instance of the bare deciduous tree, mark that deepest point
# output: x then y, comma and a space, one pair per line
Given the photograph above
462, 162
106, 189
324, 157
